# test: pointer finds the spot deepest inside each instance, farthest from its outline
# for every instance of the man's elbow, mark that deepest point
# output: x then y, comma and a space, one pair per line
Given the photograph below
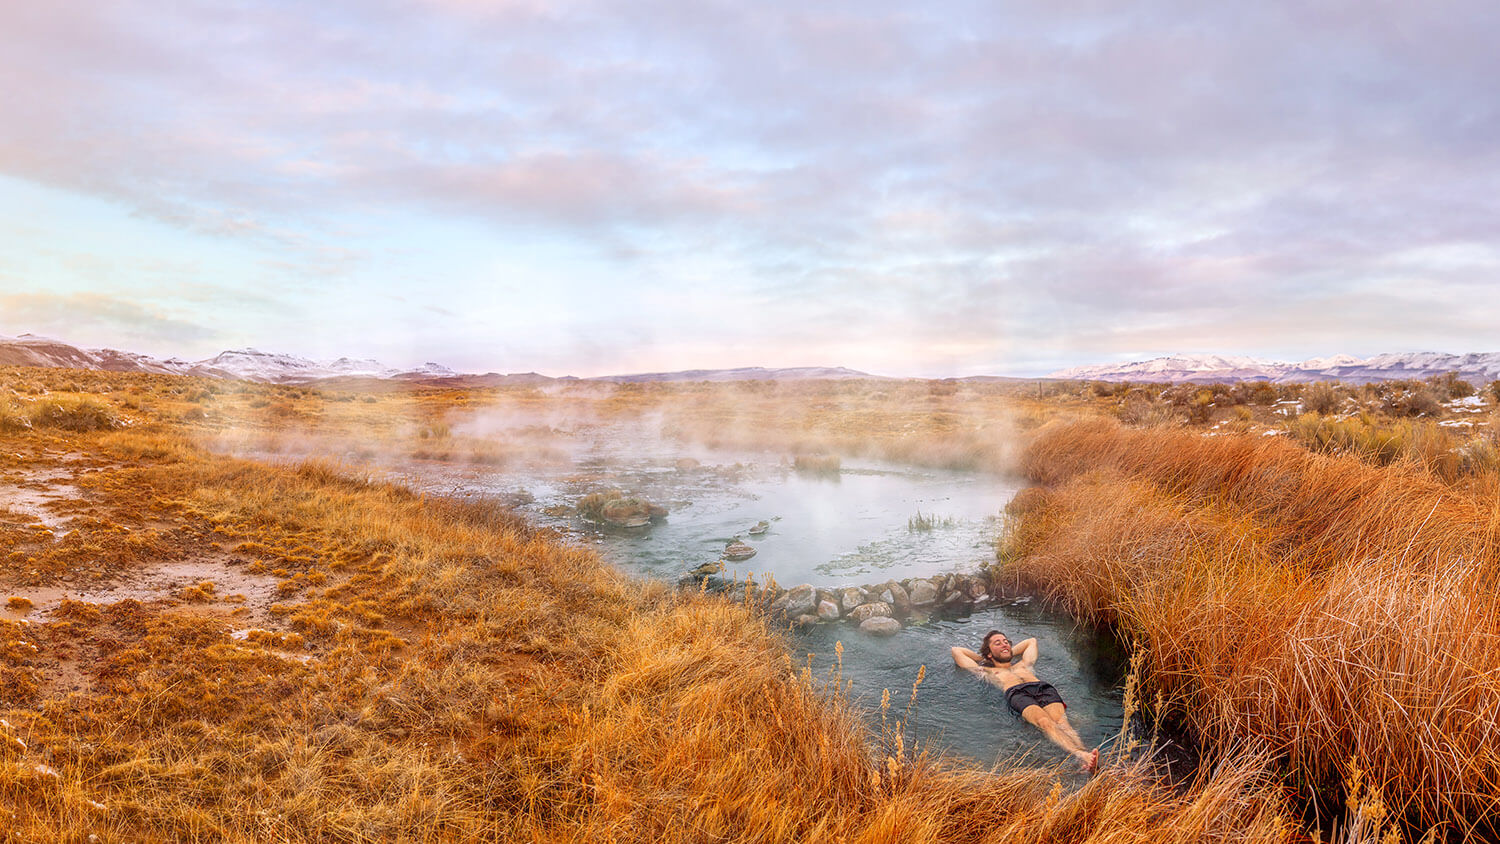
958, 655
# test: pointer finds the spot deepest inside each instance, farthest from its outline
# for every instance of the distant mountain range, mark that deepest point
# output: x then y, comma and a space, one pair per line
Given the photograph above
1205, 369
255, 365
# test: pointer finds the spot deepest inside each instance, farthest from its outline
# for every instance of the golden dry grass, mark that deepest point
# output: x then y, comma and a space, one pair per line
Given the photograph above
422, 669
1337, 615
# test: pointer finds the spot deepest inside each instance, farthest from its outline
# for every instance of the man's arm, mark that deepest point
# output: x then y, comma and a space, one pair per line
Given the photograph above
1027, 651
967, 660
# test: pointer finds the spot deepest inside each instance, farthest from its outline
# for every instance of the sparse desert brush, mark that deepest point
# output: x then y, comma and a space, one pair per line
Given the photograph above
1282, 599
13, 416
72, 413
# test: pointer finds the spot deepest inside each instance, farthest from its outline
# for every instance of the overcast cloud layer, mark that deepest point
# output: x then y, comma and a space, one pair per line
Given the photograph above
910, 189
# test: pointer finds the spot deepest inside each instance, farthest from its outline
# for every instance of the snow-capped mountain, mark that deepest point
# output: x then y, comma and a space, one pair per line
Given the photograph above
255, 365
249, 364
1203, 369
748, 373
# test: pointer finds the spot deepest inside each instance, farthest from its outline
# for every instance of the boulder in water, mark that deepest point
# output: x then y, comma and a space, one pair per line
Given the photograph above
923, 593
900, 600
760, 527
828, 611
850, 598
880, 626
737, 550
874, 609
799, 600
615, 508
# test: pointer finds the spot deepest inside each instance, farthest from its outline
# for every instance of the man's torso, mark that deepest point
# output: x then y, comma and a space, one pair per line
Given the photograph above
1006, 676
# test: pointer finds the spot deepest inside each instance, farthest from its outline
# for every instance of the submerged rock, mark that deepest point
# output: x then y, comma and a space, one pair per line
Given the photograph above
880, 626
760, 527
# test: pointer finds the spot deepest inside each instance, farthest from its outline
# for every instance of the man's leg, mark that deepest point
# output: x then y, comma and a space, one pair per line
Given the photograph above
1059, 715
1038, 717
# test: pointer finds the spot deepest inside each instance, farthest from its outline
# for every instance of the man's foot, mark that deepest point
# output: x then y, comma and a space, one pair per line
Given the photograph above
1089, 759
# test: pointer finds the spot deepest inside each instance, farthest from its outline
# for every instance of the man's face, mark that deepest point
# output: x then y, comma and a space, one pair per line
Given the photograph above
999, 647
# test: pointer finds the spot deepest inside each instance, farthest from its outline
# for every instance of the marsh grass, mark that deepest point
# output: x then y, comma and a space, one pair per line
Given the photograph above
928, 522
1341, 613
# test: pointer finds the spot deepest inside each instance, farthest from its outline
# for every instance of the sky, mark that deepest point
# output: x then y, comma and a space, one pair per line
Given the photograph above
916, 189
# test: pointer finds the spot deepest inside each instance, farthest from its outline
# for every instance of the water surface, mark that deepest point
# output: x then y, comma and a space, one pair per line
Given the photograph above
849, 528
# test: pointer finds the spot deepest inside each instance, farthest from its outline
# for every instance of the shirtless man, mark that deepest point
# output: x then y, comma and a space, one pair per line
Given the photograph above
1038, 702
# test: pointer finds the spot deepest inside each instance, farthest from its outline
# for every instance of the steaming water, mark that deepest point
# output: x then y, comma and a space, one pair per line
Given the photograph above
847, 529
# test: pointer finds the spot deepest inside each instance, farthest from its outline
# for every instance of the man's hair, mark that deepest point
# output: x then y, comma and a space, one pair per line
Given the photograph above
984, 645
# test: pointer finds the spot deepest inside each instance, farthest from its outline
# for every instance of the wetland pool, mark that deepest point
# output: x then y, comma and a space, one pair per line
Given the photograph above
857, 526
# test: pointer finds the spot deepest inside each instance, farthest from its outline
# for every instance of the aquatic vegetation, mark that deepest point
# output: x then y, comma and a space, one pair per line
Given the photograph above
928, 522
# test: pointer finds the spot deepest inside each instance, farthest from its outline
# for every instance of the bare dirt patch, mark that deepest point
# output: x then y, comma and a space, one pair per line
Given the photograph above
234, 589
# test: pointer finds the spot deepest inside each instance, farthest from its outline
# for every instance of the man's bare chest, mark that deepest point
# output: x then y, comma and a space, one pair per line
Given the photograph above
1007, 677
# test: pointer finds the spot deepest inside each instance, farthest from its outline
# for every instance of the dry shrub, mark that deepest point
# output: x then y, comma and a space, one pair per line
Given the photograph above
74, 414
1321, 608
817, 464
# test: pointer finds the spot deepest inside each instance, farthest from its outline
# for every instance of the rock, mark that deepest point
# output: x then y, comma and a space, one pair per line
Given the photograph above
923, 593
828, 611
900, 600
685, 463
917, 617
886, 596
737, 550
874, 609
975, 588
880, 626
760, 527
850, 598
804, 621
799, 600
982, 598
954, 598
707, 569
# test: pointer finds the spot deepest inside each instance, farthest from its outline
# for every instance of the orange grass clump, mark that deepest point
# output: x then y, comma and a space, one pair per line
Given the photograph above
1338, 615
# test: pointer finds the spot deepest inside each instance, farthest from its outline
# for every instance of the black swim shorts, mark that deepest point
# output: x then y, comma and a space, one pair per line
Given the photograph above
1031, 694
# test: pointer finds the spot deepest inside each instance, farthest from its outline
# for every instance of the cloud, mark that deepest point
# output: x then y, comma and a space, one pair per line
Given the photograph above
83, 317
984, 178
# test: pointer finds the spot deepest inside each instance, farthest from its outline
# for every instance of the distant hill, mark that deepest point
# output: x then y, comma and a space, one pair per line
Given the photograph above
1205, 369
255, 365
749, 373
